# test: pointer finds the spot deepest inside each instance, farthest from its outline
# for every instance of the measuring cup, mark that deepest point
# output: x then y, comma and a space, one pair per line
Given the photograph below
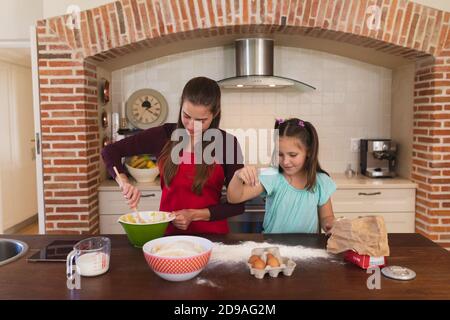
90, 257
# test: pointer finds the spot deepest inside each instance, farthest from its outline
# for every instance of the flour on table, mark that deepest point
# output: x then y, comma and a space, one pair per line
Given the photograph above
237, 253
206, 282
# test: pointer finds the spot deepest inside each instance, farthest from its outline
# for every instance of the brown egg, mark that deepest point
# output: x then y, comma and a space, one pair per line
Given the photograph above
272, 261
258, 264
253, 258
269, 255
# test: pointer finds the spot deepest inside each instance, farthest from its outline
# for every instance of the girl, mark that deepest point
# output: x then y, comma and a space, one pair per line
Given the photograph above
191, 190
298, 193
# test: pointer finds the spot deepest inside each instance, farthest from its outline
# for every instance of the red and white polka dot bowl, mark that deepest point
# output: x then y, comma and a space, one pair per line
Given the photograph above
177, 268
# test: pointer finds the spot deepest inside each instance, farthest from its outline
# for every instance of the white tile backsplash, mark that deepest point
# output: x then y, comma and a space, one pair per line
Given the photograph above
352, 100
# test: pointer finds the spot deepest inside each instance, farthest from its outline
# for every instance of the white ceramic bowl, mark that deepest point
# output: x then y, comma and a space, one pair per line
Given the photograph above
177, 268
143, 175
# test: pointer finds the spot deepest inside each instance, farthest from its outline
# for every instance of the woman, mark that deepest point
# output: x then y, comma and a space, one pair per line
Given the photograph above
191, 190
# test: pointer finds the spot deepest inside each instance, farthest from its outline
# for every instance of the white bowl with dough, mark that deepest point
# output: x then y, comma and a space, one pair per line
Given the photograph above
178, 258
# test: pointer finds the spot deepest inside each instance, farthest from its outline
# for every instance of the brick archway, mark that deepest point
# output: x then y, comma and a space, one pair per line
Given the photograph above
68, 84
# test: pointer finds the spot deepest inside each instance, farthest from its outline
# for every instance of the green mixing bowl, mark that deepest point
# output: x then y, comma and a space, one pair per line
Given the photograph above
141, 233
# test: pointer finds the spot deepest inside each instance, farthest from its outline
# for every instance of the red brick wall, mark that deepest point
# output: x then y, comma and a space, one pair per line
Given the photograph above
68, 82
70, 135
431, 148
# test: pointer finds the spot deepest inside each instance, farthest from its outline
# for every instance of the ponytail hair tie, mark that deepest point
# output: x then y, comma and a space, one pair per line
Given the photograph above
280, 121
301, 123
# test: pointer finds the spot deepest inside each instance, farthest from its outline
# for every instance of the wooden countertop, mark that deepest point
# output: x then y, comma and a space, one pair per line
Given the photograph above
129, 276
342, 182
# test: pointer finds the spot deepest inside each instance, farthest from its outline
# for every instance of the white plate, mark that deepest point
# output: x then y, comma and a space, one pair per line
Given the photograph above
398, 273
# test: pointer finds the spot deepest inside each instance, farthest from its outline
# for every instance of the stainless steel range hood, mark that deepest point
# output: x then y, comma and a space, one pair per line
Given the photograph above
254, 68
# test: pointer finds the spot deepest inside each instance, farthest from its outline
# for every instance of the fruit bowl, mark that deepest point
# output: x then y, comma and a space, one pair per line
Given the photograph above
142, 168
178, 258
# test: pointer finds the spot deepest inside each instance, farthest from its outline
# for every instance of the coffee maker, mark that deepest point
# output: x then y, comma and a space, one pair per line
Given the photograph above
377, 158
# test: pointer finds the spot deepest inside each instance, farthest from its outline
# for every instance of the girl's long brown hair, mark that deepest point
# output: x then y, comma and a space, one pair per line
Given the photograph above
305, 132
198, 91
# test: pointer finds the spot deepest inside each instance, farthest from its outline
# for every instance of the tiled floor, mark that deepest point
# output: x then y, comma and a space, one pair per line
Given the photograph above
31, 229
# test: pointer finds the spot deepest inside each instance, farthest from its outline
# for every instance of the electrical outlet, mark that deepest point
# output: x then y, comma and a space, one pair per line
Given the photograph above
354, 144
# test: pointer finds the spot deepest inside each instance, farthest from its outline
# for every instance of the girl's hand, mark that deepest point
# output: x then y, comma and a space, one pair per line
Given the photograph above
183, 218
249, 175
327, 217
131, 194
328, 226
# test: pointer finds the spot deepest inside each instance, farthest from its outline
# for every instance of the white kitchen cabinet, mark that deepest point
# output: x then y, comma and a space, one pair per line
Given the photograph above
393, 199
112, 204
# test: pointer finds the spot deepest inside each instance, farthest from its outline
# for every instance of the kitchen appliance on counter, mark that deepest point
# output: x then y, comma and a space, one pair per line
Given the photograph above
377, 158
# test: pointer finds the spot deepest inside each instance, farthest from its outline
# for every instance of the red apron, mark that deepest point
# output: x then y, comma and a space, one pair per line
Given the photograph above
180, 196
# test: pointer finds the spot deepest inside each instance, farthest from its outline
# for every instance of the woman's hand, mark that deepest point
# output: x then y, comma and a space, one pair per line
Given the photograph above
131, 194
184, 217
249, 175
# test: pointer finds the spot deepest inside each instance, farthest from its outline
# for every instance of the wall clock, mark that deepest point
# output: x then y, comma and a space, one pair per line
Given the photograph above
146, 108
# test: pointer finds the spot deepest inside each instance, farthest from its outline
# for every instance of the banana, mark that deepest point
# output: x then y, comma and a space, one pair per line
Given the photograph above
142, 165
134, 160
139, 162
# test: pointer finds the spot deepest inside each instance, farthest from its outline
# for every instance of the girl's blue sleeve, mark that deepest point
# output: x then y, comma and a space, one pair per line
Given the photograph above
268, 178
326, 188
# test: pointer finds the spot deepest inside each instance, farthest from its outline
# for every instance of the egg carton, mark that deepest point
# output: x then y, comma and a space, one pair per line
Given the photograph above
287, 266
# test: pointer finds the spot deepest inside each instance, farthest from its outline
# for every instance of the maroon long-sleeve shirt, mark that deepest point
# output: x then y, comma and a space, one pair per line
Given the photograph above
152, 141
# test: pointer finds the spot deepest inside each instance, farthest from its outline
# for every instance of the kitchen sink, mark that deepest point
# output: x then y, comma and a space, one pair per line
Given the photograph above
11, 250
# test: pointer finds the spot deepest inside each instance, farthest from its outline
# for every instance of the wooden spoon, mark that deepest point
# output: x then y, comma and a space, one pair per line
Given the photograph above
120, 182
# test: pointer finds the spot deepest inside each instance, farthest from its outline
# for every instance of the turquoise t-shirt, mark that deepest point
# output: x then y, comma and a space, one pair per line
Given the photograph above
292, 210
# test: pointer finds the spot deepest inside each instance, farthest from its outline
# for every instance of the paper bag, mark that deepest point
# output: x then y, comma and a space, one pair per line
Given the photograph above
365, 235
